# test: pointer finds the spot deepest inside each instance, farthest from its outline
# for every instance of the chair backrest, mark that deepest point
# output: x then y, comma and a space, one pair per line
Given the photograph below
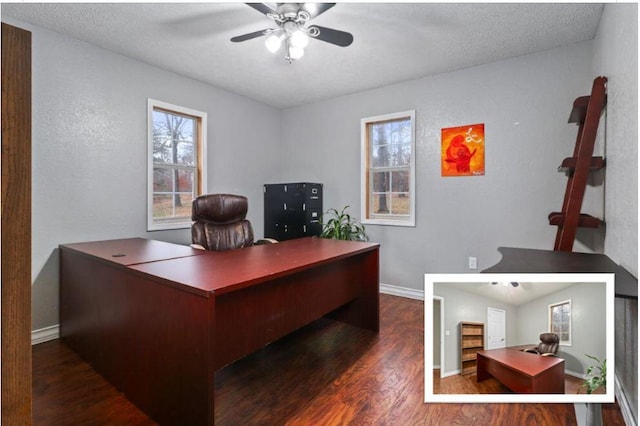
219, 222
549, 343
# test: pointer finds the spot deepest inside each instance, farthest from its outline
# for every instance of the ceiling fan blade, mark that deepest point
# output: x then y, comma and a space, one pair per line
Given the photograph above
249, 36
261, 7
337, 37
315, 9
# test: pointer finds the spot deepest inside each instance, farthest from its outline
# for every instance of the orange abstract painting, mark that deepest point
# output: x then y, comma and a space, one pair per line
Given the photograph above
462, 151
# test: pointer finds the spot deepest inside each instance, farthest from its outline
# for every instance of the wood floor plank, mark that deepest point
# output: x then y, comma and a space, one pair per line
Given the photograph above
328, 373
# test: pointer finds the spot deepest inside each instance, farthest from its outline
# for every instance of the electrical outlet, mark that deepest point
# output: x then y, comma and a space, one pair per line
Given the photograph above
473, 262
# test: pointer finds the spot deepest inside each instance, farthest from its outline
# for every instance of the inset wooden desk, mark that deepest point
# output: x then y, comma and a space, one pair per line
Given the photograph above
158, 319
522, 372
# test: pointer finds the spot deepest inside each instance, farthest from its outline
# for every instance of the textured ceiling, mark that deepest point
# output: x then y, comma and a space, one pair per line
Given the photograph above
524, 293
394, 42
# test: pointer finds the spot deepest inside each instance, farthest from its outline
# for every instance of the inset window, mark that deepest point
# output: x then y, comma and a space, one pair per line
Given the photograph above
560, 321
388, 169
176, 164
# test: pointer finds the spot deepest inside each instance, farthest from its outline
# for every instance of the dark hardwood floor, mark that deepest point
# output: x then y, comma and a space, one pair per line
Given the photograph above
458, 384
327, 373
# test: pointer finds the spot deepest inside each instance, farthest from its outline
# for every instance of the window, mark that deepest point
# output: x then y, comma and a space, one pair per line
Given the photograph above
176, 143
388, 169
560, 321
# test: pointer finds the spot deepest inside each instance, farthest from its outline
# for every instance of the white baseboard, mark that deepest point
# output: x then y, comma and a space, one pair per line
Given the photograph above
45, 334
450, 373
575, 374
410, 293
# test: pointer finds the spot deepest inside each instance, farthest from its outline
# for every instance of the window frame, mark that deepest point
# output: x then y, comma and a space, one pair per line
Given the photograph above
366, 183
200, 168
570, 332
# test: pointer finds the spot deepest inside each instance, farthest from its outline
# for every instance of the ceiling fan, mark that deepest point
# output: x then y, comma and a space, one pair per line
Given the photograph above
513, 283
292, 32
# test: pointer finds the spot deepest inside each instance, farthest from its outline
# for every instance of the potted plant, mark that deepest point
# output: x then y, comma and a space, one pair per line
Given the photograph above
341, 226
596, 380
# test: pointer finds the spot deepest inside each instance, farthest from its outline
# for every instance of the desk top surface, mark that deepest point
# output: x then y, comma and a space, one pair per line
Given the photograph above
131, 251
527, 363
203, 272
521, 260
234, 269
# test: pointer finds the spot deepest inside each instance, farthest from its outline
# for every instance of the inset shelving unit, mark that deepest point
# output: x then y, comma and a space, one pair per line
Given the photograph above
471, 341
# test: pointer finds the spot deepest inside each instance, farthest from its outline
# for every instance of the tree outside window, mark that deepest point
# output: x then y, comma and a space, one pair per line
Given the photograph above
560, 321
388, 169
176, 164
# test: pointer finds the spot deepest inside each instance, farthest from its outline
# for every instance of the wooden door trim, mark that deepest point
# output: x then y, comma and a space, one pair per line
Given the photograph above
16, 226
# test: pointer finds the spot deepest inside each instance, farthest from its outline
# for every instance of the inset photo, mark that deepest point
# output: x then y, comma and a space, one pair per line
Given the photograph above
519, 338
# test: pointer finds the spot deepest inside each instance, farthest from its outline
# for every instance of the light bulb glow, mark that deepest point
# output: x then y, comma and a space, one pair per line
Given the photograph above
296, 52
273, 43
299, 39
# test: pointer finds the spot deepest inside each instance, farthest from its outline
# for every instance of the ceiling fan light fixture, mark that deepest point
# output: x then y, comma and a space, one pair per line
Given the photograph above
273, 42
291, 19
299, 38
514, 284
295, 52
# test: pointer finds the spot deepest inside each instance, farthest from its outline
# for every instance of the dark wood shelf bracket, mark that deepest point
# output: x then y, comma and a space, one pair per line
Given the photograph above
586, 113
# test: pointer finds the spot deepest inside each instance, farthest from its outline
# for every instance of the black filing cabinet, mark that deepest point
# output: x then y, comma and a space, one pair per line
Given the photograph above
292, 210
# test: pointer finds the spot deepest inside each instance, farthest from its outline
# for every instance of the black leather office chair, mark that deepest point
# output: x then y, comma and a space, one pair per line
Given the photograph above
548, 346
219, 223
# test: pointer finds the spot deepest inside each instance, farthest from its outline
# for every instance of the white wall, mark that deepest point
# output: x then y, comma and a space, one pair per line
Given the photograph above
460, 305
616, 57
90, 145
588, 320
524, 103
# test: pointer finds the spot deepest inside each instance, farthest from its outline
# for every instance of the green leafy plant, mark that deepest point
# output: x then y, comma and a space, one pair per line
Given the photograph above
596, 375
341, 226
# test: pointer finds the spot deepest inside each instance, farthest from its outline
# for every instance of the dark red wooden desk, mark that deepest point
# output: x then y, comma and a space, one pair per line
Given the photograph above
522, 372
157, 319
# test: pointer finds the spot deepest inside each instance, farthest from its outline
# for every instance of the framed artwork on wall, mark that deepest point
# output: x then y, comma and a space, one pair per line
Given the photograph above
462, 150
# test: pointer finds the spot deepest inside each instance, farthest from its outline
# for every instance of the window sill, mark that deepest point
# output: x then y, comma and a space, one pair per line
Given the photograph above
389, 222
168, 227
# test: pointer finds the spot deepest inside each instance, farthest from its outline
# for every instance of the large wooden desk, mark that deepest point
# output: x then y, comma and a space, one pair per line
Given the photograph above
522, 372
157, 319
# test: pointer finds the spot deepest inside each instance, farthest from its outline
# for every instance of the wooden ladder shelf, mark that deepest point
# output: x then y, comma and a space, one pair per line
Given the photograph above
586, 113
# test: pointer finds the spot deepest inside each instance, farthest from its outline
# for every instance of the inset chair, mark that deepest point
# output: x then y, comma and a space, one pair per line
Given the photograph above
220, 222
548, 346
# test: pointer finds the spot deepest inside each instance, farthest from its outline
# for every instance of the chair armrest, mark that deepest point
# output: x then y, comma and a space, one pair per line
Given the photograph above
531, 350
197, 247
265, 241
548, 354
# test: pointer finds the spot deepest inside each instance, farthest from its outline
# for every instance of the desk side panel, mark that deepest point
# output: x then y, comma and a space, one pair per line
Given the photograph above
364, 311
149, 340
253, 317
550, 380
513, 379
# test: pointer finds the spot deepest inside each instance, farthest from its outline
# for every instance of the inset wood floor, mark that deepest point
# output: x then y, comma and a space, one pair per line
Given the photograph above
327, 373
458, 384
